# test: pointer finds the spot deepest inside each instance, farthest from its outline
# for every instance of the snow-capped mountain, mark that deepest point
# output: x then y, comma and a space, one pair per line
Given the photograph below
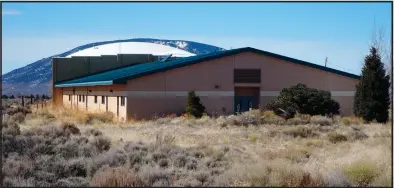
133, 48
35, 77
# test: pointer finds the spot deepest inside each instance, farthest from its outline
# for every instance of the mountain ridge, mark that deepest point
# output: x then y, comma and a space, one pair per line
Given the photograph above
35, 77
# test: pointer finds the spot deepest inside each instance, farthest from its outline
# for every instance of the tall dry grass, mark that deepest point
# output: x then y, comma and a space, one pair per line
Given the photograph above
252, 149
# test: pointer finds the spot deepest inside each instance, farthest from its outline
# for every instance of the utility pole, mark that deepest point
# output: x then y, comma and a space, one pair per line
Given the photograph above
325, 63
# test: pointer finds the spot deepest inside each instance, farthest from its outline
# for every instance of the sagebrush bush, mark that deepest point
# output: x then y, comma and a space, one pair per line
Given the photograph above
361, 173
99, 117
295, 121
335, 137
321, 120
53, 156
356, 135
18, 117
352, 120
116, 177
299, 131
67, 126
243, 119
19, 109
276, 120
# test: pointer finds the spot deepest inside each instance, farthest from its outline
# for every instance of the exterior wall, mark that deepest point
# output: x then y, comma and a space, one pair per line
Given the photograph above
166, 92
99, 91
69, 68
57, 96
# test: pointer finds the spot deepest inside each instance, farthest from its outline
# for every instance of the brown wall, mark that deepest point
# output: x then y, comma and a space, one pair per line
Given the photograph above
166, 92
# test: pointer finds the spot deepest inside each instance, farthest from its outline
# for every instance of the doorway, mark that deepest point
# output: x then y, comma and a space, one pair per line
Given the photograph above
246, 98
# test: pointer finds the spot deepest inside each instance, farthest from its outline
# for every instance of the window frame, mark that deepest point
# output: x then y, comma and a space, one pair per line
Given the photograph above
102, 99
95, 99
122, 100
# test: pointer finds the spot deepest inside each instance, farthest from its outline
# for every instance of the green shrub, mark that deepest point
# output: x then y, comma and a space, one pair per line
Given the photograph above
194, 106
304, 100
335, 137
361, 173
321, 120
253, 139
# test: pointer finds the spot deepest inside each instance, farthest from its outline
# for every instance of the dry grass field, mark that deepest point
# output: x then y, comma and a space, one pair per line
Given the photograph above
60, 147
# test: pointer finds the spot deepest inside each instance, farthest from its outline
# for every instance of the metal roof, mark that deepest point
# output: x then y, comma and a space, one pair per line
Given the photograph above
121, 75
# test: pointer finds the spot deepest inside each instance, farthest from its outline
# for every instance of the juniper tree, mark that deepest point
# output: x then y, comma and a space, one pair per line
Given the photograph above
371, 100
194, 106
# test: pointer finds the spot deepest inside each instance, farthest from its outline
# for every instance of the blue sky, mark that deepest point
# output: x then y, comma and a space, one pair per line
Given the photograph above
306, 31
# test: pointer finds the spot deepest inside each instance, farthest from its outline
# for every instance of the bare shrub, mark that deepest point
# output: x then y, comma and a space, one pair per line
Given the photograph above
18, 117
102, 117
72, 182
247, 118
70, 127
163, 140
18, 109
356, 135
18, 182
352, 120
152, 175
321, 120
304, 117
335, 137
299, 131
45, 113
269, 117
116, 177
337, 179
102, 143
295, 121
93, 132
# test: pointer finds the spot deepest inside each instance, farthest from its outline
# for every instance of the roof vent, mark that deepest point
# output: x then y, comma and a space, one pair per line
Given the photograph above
166, 58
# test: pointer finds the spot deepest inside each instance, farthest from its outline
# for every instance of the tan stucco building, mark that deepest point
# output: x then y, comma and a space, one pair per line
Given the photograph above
226, 81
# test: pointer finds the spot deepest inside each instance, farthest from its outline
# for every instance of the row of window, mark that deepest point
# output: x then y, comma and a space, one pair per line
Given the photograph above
81, 98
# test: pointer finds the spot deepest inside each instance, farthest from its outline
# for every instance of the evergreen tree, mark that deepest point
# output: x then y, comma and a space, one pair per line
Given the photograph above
37, 97
371, 100
12, 97
4, 97
194, 106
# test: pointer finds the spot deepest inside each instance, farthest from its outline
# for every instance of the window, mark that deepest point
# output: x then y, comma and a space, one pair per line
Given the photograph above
102, 100
95, 99
83, 98
122, 101
79, 98
69, 97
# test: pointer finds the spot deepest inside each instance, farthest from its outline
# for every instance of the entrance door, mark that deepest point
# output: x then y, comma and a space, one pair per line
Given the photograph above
246, 98
244, 103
